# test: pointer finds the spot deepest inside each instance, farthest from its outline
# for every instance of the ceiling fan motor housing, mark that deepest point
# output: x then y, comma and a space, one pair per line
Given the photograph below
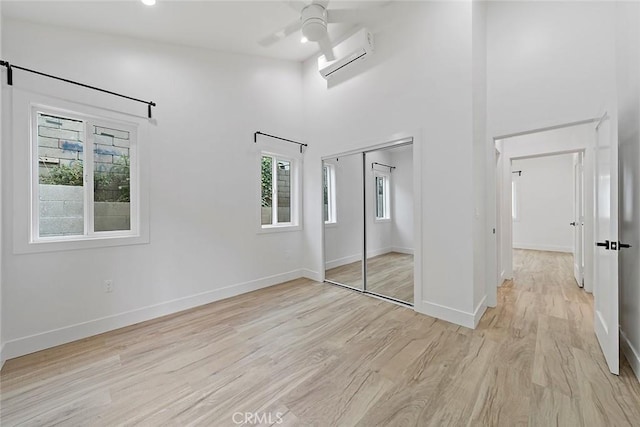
314, 22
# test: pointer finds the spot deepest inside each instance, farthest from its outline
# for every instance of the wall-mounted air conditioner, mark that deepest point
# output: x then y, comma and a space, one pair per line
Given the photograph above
354, 49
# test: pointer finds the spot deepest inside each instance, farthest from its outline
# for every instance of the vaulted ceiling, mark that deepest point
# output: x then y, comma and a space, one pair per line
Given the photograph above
231, 26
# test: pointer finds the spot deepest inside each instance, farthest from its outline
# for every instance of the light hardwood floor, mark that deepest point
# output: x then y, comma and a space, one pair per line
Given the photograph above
390, 274
322, 355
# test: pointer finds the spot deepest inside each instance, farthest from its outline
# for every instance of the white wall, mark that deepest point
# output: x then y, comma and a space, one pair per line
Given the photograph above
204, 185
628, 81
402, 200
484, 240
545, 203
419, 82
548, 63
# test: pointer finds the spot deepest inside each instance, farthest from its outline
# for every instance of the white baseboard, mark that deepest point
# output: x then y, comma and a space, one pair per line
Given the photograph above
342, 261
549, 248
408, 251
357, 257
312, 275
2, 359
479, 311
451, 315
379, 251
29, 344
632, 354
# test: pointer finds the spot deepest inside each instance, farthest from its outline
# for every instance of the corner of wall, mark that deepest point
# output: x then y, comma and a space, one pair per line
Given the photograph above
453, 315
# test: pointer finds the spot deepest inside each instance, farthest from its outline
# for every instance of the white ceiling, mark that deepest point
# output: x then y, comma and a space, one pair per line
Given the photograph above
232, 26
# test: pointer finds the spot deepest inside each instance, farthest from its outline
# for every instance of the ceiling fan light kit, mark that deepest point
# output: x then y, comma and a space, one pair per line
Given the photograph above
313, 21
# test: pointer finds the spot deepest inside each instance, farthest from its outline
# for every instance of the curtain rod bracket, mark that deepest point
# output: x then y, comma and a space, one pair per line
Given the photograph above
255, 139
149, 105
9, 68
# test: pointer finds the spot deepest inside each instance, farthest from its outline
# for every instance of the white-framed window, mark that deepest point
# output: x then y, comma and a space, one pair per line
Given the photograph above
515, 201
381, 193
329, 193
84, 177
279, 192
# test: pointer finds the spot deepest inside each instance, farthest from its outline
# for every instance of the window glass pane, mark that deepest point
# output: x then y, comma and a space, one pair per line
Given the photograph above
267, 190
284, 191
380, 197
111, 179
325, 191
60, 171
514, 204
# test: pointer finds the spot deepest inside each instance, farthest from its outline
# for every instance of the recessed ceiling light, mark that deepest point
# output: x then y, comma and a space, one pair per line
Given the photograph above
304, 39
149, 2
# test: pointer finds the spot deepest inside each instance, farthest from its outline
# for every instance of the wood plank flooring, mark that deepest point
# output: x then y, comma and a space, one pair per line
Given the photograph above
389, 274
314, 354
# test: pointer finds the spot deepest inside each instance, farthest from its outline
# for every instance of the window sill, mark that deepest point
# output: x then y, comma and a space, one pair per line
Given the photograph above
79, 243
278, 228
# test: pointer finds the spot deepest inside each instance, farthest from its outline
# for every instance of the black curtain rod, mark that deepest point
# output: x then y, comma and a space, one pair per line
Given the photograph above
518, 172
382, 164
10, 68
255, 139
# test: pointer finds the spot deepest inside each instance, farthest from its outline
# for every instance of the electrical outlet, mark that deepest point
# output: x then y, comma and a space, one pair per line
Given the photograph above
108, 286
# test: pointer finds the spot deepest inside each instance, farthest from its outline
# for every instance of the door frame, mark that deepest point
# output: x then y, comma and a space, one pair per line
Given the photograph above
578, 218
501, 263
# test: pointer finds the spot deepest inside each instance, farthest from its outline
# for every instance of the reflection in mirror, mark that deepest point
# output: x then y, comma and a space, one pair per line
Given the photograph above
389, 216
343, 222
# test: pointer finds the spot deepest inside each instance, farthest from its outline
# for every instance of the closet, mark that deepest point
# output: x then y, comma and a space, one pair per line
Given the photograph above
368, 221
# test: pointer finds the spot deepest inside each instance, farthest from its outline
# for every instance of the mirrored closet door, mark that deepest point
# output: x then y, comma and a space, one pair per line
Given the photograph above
368, 209
389, 222
343, 220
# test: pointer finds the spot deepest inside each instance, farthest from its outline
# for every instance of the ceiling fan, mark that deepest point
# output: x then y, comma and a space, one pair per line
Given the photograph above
313, 21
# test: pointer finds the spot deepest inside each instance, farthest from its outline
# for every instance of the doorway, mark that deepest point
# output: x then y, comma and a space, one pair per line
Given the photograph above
575, 143
547, 208
368, 212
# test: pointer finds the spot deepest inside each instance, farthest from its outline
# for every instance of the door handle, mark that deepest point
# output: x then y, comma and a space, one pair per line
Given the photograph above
623, 245
604, 244
573, 223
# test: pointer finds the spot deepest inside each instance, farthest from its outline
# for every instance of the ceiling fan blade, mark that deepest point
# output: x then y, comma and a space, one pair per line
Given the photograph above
280, 34
323, 3
326, 48
335, 16
296, 5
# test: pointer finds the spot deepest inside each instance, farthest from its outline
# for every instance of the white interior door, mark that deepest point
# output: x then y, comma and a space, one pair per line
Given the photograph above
578, 221
605, 290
